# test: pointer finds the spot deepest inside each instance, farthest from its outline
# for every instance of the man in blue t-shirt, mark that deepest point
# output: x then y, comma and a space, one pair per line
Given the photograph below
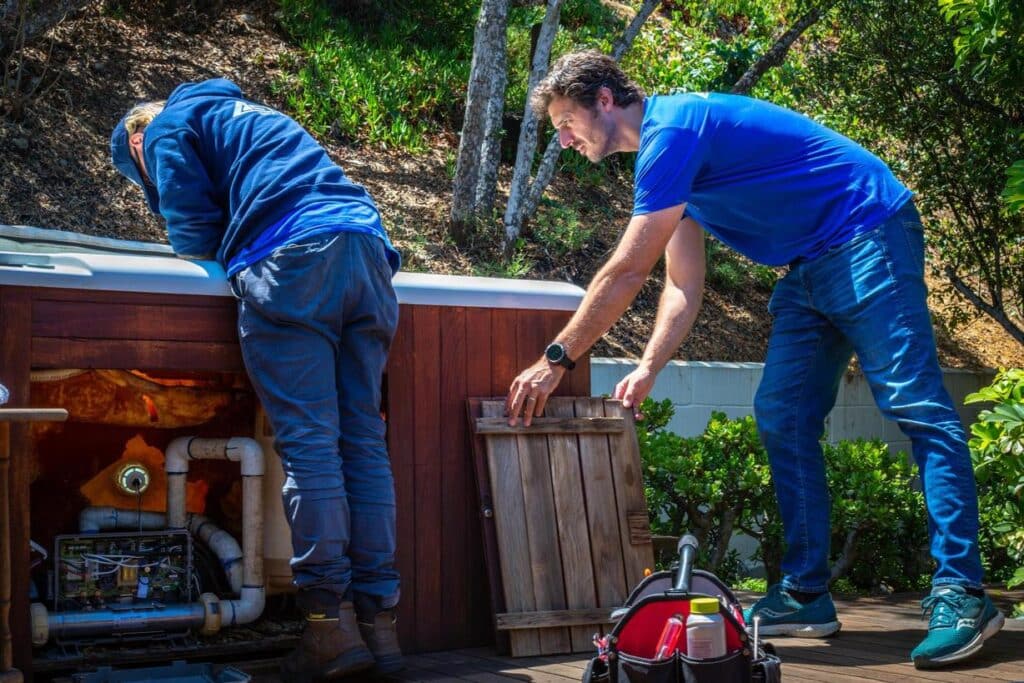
311, 266
783, 190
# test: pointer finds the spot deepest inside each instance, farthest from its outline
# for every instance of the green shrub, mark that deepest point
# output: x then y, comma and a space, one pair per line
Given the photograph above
710, 485
389, 85
997, 451
728, 271
514, 265
879, 528
558, 228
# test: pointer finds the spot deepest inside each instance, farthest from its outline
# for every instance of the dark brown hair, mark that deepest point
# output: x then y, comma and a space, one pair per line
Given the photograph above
578, 76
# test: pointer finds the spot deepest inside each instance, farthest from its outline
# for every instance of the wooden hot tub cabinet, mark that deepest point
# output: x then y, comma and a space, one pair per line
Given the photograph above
457, 338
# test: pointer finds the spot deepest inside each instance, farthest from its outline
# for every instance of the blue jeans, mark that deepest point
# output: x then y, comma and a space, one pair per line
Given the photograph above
315, 322
866, 297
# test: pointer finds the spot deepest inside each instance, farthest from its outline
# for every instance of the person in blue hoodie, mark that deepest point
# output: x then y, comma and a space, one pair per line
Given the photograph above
311, 266
784, 191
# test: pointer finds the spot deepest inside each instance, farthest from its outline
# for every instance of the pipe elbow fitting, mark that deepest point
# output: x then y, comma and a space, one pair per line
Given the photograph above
247, 608
249, 455
176, 456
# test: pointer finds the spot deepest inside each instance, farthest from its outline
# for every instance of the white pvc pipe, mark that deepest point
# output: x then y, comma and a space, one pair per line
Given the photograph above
249, 455
71, 625
93, 519
223, 545
210, 612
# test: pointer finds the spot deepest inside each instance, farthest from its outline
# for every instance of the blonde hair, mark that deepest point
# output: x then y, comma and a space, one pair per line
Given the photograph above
141, 115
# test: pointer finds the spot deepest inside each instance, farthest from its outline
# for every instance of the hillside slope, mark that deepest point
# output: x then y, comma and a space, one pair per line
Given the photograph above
55, 172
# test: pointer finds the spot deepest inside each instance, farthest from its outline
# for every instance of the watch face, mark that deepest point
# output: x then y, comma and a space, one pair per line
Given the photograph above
555, 352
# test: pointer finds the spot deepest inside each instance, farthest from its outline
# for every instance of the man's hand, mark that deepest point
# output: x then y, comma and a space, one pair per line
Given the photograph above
634, 388
530, 390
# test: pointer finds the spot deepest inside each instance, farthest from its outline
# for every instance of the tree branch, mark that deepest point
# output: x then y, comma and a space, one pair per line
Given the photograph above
997, 314
725, 527
777, 52
526, 149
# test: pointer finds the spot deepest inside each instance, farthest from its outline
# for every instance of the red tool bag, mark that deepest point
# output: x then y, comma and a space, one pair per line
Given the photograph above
630, 652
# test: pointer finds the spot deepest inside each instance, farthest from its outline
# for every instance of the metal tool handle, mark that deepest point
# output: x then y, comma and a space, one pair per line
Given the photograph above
687, 549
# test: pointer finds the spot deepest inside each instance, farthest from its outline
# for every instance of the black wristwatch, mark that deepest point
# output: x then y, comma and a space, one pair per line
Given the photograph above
555, 353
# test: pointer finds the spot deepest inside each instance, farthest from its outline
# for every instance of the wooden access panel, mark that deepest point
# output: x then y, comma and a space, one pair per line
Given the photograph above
568, 526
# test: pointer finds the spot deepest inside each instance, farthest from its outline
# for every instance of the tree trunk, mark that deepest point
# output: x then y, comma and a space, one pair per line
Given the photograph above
848, 554
546, 169
490, 150
485, 96
725, 528
526, 148
778, 51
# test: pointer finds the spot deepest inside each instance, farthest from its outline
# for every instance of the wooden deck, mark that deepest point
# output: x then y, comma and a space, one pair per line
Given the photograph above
877, 636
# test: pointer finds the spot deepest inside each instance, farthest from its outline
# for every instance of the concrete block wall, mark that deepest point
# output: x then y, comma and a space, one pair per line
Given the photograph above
855, 414
697, 388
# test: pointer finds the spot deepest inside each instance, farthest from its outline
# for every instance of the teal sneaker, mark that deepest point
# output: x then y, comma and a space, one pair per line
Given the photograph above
959, 624
783, 615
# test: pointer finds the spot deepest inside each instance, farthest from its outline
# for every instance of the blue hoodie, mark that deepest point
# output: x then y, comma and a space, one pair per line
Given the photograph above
239, 179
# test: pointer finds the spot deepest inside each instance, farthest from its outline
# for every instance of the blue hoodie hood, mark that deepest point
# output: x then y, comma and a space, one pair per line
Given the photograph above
119, 153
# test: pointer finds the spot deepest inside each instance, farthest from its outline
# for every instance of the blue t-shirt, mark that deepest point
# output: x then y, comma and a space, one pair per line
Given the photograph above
769, 182
239, 179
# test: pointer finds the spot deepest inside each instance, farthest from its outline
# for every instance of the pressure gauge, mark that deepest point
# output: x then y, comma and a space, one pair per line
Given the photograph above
132, 478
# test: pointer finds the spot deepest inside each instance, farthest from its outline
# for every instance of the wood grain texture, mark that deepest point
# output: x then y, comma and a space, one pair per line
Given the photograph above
571, 519
135, 321
15, 352
456, 478
565, 617
602, 514
124, 354
428, 504
553, 425
478, 383
634, 523
505, 363
401, 415
485, 500
542, 536
509, 524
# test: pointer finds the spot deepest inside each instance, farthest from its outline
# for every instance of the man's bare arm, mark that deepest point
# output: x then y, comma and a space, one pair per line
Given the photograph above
683, 294
677, 310
610, 293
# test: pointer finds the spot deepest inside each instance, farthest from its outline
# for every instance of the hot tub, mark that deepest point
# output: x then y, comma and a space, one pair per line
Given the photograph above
72, 301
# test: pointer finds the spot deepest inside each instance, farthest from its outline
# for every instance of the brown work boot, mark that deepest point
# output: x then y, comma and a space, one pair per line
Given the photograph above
330, 647
377, 627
